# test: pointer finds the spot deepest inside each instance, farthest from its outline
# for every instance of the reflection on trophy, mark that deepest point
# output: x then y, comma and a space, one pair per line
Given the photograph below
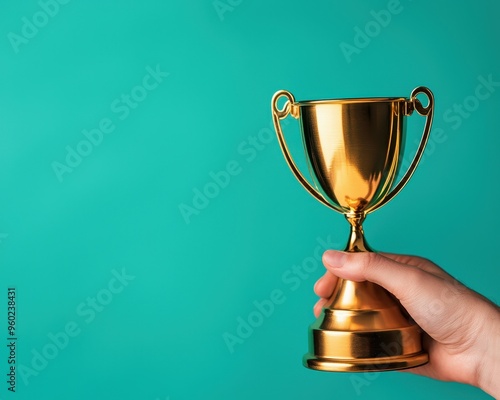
354, 150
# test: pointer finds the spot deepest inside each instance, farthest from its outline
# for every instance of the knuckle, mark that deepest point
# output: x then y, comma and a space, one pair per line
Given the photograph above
424, 260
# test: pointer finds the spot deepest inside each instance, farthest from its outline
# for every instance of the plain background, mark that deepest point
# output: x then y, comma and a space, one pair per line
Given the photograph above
162, 335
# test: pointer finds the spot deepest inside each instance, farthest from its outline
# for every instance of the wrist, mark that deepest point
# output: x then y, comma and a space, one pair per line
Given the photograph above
489, 362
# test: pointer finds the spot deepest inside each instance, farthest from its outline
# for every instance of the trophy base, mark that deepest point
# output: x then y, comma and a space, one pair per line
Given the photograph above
367, 364
364, 328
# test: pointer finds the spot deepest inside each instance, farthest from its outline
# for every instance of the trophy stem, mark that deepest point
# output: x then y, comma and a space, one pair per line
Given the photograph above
356, 242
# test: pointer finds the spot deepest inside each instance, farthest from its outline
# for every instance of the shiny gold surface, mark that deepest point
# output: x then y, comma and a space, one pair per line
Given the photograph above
354, 149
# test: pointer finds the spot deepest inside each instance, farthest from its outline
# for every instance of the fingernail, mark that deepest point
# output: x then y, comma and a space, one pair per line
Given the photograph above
334, 258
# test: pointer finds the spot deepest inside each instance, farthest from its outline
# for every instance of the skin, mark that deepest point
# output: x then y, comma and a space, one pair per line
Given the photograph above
462, 328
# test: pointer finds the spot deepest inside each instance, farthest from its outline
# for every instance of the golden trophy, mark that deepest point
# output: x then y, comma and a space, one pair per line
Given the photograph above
354, 149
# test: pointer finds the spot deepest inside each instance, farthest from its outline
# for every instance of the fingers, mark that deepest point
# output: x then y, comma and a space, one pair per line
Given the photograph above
325, 285
324, 288
319, 306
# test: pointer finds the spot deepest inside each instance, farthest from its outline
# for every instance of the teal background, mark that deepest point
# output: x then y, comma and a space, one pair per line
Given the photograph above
161, 337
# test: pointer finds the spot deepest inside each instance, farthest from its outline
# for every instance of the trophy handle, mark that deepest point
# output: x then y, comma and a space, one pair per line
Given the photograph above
428, 112
290, 108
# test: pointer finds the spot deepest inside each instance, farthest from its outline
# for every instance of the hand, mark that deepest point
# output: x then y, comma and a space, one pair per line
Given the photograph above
462, 327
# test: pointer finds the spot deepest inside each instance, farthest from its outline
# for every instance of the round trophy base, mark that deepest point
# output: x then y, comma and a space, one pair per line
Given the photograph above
367, 364
364, 328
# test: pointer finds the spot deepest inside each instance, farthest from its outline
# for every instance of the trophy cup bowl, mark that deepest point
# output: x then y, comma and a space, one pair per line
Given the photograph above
354, 150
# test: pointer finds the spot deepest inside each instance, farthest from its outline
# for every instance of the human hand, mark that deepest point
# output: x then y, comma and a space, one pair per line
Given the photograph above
462, 327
